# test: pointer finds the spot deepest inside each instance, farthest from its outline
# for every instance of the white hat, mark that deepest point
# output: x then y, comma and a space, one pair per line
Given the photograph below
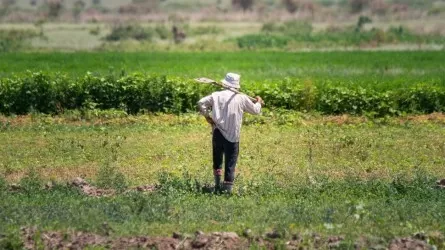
232, 80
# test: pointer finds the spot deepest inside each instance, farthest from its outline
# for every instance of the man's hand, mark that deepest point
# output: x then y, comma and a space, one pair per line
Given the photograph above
259, 100
209, 120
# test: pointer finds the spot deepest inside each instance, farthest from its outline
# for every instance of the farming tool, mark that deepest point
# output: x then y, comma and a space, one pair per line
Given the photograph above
219, 84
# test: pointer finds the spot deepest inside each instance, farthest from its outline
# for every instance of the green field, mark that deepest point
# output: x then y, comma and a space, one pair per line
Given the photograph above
365, 179
359, 83
359, 67
316, 171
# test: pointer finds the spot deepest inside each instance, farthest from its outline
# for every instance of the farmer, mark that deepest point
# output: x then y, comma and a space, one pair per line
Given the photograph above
224, 111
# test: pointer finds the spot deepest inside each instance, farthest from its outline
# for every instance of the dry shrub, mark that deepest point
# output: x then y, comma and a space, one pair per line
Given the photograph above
291, 5
379, 7
243, 4
358, 6
54, 8
399, 7
139, 7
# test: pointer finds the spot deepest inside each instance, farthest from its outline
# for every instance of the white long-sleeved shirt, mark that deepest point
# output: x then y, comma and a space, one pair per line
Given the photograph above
227, 110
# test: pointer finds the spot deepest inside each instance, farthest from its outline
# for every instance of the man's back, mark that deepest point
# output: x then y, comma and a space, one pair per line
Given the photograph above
227, 111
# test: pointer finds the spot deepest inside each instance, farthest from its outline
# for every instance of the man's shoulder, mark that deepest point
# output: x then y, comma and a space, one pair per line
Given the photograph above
223, 92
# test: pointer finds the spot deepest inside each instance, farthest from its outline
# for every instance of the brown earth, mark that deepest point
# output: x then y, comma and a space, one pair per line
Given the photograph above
81, 240
91, 190
200, 240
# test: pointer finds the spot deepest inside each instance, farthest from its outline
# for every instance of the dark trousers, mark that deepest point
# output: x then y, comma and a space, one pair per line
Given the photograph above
230, 150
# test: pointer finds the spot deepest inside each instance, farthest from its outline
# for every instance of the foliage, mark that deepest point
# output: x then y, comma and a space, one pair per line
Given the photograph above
13, 40
364, 68
32, 182
11, 241
204, 30
350, 207
40, 92
163, 32
362, 20
3, 184
261, 41
122, 32
54, 8
317, 174
276, 35
108, 175
289, 28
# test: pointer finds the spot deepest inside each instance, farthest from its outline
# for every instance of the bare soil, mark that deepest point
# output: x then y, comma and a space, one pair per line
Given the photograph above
200, 240
91, 190
81, 240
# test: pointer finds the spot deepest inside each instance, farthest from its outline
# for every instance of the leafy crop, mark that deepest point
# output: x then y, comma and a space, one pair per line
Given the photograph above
45, 93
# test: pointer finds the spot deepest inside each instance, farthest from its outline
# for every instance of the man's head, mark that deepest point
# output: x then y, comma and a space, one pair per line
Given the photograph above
232, 80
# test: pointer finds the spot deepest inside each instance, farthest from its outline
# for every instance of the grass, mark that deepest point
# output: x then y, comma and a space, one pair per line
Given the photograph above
155, 144
297, 172
360, 67
344, 177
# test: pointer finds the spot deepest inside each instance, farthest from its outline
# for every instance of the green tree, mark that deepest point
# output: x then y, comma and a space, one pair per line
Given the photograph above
362, 20
54, 8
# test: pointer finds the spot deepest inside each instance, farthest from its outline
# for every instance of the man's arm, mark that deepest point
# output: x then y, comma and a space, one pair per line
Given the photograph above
204, 106
253, 108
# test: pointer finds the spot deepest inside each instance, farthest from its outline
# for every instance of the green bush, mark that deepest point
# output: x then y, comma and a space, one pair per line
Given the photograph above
205, 30
290, 28
162, 32
278, 35
32, 182
53, 94
123, 32
13, 40
11, 241
261, 41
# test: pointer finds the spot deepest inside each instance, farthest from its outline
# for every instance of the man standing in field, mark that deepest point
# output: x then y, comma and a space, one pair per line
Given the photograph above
224, 111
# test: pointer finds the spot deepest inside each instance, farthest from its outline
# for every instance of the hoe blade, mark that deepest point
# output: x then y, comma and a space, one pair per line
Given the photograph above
205, 80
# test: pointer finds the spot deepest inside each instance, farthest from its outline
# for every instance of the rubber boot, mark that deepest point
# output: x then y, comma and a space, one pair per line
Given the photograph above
217, 175
227, 187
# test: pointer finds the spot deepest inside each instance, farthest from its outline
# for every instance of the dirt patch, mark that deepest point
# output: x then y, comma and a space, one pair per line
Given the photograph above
89, 189
93, 191
408, 243
433, 117
81, 240
34, 239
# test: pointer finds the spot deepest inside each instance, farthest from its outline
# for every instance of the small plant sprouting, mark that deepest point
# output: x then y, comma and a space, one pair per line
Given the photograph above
109, 175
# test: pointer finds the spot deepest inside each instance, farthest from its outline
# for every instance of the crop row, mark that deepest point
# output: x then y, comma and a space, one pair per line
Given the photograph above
45, 93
